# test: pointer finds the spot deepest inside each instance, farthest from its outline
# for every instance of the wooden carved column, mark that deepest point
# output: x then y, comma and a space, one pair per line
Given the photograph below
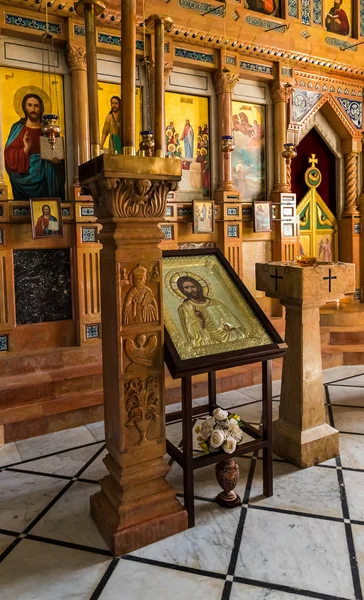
136, 506
280, 94
229, 219
76, 60
349, 224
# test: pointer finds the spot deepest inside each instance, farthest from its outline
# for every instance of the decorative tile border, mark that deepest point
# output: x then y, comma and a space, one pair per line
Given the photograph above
35, 24
192, 55
293, 9
89, 234
233, 231
340, 43
87, 211
169, 211
167, 47
21, 211
232, 211
184, 212
287, 71
362, 17
203, 7
79, 30
92, 332
306, 12
264, 23
317, 12
1, 236
106, 38
302, 102
4, 343
247, 66
168, 232
1, 211
66, 211
354, 110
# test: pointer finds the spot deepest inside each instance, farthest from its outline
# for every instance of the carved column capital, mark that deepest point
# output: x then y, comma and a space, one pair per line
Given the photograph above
224, 81
280, 92
76, 57
130, 198
168, 68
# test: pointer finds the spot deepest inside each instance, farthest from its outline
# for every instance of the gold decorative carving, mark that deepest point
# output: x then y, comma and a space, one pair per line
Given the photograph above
168, 68
130, 198
141, 397
280, 92
224, 81
76, 57
140, 305
141, 351
155, 273
351, 184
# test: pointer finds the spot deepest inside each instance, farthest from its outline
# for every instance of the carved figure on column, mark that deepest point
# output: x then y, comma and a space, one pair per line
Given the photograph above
225, 81
140, 305
76, 57
280, 92
141, 351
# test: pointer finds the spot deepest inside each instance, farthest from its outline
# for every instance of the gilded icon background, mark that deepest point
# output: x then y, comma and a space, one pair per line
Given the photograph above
204, 311
31, 177
106, 91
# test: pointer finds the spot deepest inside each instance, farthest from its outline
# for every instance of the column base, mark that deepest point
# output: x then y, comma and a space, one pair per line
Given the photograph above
122, 540
305, 448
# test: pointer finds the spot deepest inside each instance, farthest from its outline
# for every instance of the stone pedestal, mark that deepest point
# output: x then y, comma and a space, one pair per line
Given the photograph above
136, 506
301, 435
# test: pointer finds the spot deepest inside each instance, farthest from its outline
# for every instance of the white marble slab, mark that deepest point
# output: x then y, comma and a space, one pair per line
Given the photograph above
350, 396
242, 591
352, 450
141, 581
234, 398
313, 490
174, 433
208, 546
358, 535
38, 571
69, 519
9, 454
97, 430
97, 469
350, 420
23, 496
53, 442
354, 486
66, 463
302, 552
255, 391
342, 372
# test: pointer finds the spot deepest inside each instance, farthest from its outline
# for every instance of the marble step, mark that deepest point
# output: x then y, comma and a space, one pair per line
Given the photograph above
350, 335
59, 358
342, 314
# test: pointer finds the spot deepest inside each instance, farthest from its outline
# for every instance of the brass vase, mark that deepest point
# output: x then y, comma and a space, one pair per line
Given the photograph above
50, 129
227, 475
147, 143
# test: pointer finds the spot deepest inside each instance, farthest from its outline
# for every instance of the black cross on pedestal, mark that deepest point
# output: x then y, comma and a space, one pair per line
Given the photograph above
276, 277
329, 278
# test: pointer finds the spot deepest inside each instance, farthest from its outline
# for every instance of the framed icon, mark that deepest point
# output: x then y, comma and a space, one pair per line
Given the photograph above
46, 217
262, 215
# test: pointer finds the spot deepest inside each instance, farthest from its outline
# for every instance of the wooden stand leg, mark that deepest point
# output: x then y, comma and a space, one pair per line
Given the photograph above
188, 486
267, 428
212, 390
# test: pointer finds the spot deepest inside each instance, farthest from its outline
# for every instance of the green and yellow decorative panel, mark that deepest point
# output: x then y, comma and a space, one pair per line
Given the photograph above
318, 226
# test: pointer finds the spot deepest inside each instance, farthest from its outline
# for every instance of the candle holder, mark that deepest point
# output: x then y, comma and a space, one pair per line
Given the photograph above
50, 129
227, 144
147, 143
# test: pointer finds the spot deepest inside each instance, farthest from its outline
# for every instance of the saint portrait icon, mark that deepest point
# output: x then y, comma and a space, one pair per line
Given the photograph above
337, 20
204, 320
31, 176
112, 127
46, 217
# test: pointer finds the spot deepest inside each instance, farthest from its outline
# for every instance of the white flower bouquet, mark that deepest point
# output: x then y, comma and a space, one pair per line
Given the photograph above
221, 430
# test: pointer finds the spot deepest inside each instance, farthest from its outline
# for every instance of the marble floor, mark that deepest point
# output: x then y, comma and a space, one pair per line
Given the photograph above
307, 541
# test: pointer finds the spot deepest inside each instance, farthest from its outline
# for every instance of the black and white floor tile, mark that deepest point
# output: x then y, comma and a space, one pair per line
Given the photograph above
307, 541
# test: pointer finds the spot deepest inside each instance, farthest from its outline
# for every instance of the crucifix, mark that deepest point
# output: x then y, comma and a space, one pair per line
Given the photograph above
313, 160
329, 278
276, 277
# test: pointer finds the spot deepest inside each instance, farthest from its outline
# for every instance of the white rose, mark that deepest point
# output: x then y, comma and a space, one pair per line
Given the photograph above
217, 438
229, 445
210, 422
207, 427
235, 431
220, 415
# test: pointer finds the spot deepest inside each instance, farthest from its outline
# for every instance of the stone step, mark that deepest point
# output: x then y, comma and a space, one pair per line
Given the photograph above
349, 335
342, 314
59, 358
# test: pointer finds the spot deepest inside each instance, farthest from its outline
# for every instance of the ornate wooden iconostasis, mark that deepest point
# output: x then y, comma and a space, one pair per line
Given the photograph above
240, 82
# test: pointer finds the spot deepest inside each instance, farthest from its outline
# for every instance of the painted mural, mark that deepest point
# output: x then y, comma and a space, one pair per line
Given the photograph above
248, 158
109, 116
188, 137
338, 16
267, 7
31, 171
